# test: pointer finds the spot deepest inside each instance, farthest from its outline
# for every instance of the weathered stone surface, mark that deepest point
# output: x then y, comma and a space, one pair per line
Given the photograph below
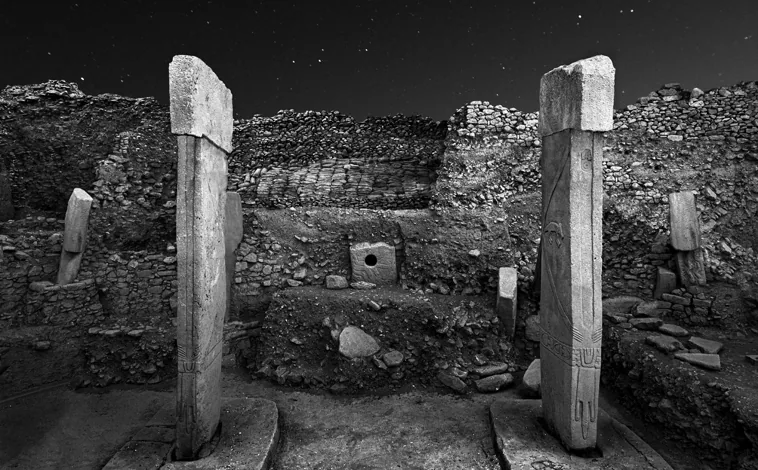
685, 228
201, 111
620, 305
494, 383
393, 358
706, 345
354, 342
531, 379
673, 330
491, 369
573, 100
68, 268
646, 323
363, 285
578, 96
664, 343
647, 309
691, 267
452, 382
77, 217
532, 329
336, 282
201, 105
522, 443
507, 300
233, 231
665, 282
706, 361
373, 262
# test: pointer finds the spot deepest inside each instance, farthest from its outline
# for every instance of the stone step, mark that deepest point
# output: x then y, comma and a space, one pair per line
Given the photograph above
706, 361
705, 345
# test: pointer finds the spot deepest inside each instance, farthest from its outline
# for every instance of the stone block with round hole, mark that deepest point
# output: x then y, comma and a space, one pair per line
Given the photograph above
373, 262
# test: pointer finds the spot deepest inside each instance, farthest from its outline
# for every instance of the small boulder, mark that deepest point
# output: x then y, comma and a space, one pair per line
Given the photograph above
532, 330
452, 382
354, 343
532, 379
673, 330
393, 358
494, 383
706, 361
363, 285
647, 324
664, 343
336, 282
492, 369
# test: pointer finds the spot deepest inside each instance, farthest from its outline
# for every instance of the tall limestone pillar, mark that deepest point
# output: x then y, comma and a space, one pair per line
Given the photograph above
576, 107
201, 116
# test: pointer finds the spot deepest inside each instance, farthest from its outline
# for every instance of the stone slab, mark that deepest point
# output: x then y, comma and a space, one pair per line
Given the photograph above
493, 383
705, 345
373, 262
522, 442
507, 299
201, 294
685, 228
665, 282
691, 267
578, 96
620, 305
571, 308
673, 330
77, 218
249, 437
200, 103
706, 361
646, 323
664, 343
233, 232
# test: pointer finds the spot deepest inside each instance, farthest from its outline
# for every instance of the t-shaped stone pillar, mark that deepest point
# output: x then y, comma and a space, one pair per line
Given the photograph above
576, 106
74, 236
201, 116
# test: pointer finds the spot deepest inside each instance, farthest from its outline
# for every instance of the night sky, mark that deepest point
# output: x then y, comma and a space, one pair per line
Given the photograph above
377, 57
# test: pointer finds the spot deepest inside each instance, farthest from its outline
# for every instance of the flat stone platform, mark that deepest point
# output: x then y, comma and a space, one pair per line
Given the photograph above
522, 443
249, 438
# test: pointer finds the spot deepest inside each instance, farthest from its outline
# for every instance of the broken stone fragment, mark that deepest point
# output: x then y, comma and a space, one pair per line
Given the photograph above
494, 383
531, 379
354, 343
665, 282
664, 343
452, 382
706, 361
705, 345
648, 324
620, 305
336, 282
685, 229
362, 285
393, 358
373, 262
532, 330
492, 369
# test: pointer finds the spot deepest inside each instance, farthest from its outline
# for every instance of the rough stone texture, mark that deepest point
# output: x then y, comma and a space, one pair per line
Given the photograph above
664, 343
685, 228
573, 100
532, 330
578, 96
201, 105
373, 262
491, 369
354, 343
521, 442
393, 358
507, 299
620, 305
705, 345
673, 330
665, 282
233, 232
691, 267
336, 282
532, 377
362, 285
456, 384
493, 383
6, 194
646, 323
706, 361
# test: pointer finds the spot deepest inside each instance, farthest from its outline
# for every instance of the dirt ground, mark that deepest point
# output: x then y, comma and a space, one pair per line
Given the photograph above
413, 428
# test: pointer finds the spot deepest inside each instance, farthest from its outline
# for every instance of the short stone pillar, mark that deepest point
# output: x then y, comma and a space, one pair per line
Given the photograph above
74, 236
233, 231
373, 262
576, 107
201, 116
685, 238
506, 303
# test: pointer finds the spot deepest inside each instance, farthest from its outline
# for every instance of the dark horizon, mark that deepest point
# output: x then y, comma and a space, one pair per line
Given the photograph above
378, 58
